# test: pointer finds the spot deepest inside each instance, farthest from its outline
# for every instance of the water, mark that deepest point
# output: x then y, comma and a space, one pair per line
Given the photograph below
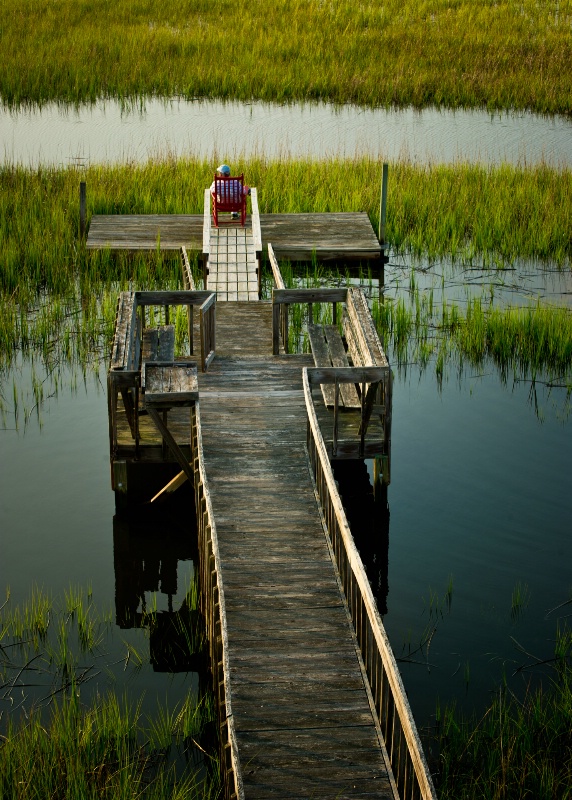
479, 497
217, 130
59, 530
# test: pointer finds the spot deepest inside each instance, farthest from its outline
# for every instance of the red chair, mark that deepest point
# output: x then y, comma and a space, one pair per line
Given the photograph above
229, 195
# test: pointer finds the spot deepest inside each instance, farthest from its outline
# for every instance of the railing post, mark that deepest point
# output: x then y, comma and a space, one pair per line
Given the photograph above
82, 210
275, 326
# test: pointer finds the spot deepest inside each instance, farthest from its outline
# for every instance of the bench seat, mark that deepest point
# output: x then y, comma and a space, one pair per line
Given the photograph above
329, 351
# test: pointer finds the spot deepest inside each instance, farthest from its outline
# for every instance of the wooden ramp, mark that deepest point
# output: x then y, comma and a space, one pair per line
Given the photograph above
233, 267
300, 705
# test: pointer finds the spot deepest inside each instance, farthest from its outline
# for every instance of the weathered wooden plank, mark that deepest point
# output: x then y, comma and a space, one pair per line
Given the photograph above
158, 344
122, 355
170, 384
171, 298
309, 295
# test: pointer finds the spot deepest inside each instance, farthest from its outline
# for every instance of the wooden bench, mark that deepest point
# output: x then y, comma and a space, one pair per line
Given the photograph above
363, 347
158, 345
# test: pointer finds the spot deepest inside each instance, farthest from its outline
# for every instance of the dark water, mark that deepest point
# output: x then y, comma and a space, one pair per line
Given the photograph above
59, 530
479, 500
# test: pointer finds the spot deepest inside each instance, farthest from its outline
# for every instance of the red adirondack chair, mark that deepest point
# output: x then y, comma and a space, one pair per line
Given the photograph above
229, 195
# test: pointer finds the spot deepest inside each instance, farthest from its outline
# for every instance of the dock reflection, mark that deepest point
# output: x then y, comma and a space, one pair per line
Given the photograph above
367, 512
148, 547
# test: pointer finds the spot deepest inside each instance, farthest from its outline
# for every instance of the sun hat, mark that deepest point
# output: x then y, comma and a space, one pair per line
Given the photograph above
224, 169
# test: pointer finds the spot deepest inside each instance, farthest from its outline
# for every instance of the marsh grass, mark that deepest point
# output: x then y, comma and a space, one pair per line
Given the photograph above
62, 735
521, 746
494, 55
527, 342
58, 301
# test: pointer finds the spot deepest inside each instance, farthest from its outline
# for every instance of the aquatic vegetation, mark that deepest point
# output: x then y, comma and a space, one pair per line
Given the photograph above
59, 300
103, 750
520, 599
519, 747
64, 733
493, 55
532, 342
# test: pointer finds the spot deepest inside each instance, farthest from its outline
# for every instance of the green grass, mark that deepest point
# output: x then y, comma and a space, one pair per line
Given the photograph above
519, 747
66, 728
57, 301
440, 52
531, 342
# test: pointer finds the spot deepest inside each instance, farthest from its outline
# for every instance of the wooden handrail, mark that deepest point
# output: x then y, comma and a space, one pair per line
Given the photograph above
283, 297
324, 295
208, 331
255, 217
402, 741
213, 606
189, 284
278, 279
179, 297
207, 224
188, 280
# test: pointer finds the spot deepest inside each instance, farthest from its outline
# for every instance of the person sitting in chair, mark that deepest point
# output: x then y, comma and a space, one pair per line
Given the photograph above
224, 171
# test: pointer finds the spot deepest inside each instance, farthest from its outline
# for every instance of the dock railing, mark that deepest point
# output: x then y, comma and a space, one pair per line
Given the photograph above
207, 315
398, 728
283, 297
214, 612
124, 376
256, 235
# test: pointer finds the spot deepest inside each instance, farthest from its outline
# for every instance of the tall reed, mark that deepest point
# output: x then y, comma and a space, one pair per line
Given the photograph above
530, 342
65, 728
519, 747
493, 55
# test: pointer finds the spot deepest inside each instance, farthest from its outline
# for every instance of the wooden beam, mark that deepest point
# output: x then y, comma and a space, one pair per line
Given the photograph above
346, 374
174, 484
172, 444
174, 298
255, 217
309, 295
278, 279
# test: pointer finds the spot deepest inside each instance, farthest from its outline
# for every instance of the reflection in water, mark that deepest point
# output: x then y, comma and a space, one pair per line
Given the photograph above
107, 132
368, 517
148, 546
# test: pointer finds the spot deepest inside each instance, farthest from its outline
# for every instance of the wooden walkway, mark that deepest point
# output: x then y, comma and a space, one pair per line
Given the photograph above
340, 236
309, 698
233, 267
300, 705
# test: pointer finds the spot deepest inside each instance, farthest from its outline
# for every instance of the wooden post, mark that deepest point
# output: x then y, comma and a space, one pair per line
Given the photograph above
382, 221
82, 210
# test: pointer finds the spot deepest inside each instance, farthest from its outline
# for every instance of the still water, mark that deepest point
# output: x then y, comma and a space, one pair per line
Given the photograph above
480, 499
479, 502
107, 132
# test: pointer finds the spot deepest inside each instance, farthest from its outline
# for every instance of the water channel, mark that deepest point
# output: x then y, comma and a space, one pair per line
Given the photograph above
479, 501
110, 132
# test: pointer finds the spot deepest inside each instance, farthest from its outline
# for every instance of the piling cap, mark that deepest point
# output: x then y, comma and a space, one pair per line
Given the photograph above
224, 169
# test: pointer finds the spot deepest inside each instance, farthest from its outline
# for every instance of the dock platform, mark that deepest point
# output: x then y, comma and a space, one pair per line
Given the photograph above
303, 720
297, 237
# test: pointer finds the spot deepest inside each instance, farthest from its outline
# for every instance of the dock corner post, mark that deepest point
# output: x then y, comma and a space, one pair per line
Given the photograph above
382, 222
82, 210
205, 270
275, 326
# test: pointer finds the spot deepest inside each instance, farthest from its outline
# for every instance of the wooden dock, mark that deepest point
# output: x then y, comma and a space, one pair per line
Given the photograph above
309, 697
303, 721
296, 237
